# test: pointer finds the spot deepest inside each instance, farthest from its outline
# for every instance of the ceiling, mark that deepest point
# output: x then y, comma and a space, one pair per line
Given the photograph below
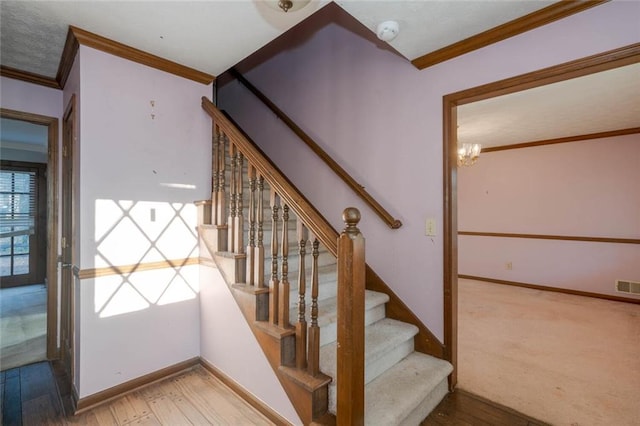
222, 33
595, 103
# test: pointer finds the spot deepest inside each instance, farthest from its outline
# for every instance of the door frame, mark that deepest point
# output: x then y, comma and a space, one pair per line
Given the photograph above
68, 256
592, 64
52, 219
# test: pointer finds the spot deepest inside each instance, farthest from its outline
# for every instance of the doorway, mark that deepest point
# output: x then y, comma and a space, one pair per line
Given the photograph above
30, 245
593, 64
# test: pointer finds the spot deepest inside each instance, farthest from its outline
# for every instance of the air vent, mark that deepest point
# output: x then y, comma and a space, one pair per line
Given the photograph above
630, 287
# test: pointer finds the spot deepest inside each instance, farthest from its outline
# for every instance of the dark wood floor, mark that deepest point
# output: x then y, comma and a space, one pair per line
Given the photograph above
29, 396
461, 408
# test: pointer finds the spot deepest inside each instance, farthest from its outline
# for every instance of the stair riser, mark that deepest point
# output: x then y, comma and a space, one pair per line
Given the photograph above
428, 404
374, 369
325, 291
329, 332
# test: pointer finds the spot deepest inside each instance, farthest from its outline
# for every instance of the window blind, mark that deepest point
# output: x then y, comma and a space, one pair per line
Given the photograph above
18, 201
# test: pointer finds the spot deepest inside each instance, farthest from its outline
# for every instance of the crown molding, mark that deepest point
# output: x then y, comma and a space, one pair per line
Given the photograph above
576, 138
77, 36
526, 23
29, 77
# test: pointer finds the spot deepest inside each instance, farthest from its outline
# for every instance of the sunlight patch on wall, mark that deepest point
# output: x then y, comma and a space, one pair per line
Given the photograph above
126, 299
132, 233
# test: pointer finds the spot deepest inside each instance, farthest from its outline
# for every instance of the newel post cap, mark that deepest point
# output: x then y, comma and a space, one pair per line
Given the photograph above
351, 217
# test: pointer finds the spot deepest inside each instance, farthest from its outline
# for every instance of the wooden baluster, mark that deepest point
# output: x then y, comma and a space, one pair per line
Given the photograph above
301, 325
214, 170
259, 250
251, 175
350, 352
238, 224
314, 331
274, 283
283, 316
232, 200
221, 209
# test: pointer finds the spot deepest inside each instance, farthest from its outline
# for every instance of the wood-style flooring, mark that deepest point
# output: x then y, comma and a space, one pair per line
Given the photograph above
23, 325
464, 409
28, 396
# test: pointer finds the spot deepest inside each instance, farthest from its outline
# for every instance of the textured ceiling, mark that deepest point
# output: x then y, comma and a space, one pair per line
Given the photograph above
214, 35
426, 26
605, 101
211, 36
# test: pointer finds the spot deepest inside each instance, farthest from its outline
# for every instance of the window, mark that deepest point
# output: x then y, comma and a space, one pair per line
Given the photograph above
19, 227
17, 220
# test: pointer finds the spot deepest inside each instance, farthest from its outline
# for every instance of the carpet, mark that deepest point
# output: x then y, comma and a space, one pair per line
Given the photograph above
563, 359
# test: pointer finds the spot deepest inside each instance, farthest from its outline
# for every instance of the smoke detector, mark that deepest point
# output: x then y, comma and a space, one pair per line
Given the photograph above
387, 30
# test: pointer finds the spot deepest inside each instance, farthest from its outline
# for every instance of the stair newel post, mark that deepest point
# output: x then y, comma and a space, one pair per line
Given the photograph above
350, 352
238, 224
251, 247
232, 200
314, 330
220, 207
274, 282
301, 324
259, 249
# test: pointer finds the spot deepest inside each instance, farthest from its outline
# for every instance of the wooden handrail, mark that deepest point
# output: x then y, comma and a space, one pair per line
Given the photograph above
342, 173
314, 221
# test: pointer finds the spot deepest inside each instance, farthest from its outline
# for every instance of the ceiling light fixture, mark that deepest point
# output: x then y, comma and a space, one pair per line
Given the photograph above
388, 30
288, 5
468, 153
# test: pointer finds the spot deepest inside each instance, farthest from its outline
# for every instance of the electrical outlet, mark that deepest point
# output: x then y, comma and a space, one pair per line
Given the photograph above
430, 227
508, 266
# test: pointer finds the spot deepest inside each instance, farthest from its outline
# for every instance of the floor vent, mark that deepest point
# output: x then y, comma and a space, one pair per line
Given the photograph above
630, 287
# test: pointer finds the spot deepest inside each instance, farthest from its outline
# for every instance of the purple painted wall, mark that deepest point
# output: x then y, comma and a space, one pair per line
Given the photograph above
381, 119
141, 160
587, 188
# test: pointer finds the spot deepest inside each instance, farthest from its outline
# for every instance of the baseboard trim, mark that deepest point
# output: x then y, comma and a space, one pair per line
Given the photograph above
554, 289
83, 404
91, 401
245, 394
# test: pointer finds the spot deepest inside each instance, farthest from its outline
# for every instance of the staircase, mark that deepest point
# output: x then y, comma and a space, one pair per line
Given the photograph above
269, 248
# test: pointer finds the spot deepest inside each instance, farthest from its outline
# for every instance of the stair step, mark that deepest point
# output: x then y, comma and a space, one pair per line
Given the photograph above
406, 393
327, 285
386, 342
327, 314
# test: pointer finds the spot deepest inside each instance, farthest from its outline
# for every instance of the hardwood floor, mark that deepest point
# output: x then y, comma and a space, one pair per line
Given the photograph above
23, 325
461, 408
28, 396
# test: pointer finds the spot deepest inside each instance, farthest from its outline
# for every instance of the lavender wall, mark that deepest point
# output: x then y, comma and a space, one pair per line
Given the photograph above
226, 341
586, 188
26, 97
382, 120
139, 169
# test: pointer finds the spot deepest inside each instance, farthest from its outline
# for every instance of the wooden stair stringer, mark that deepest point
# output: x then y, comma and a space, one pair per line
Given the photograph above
308, 395
425, 341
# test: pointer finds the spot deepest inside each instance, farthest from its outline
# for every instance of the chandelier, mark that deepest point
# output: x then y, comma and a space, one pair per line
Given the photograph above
468, 153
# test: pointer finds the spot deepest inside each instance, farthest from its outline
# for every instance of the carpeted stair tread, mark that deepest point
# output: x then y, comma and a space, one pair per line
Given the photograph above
328, 309
386, 342
394, 395
327, 314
